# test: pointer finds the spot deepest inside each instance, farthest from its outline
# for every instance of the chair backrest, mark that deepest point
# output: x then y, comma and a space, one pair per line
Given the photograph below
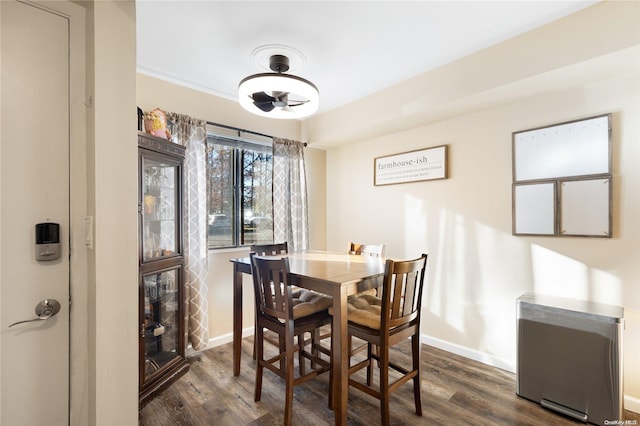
375, 250
273, 294
270, 249
402, 291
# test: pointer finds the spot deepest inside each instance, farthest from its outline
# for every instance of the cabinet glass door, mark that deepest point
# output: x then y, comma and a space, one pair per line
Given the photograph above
161, 330
160, 212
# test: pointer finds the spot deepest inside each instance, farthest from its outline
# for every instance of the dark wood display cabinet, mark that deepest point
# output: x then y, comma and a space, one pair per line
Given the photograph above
161, 265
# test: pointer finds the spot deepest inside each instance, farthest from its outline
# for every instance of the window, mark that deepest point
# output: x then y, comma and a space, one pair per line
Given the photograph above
239, 191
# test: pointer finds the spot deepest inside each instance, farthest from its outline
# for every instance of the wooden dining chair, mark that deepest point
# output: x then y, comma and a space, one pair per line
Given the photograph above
268, 250
278, 311
386, 321
376, 250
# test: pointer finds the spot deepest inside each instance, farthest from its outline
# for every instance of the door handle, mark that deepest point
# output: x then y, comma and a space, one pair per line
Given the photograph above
44, 310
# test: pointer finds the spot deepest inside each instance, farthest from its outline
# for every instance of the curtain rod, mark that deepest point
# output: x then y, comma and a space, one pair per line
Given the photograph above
242, 130
239, 130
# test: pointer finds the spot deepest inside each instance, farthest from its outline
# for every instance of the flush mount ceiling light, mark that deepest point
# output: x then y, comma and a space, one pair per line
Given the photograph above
278, 95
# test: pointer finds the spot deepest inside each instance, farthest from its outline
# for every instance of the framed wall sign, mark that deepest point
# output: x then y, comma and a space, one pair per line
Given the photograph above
562, 179
412, 166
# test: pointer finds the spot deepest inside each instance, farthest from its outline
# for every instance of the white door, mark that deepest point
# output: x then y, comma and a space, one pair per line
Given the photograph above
34, 178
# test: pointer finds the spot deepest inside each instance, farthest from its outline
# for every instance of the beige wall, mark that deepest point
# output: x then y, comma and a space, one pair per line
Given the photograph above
156, 93
477, 268
111, 308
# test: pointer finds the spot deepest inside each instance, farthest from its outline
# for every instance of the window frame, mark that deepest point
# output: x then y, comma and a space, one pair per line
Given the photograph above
239, 145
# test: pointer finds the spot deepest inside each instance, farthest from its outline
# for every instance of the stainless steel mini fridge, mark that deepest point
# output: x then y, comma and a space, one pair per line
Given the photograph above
570, 356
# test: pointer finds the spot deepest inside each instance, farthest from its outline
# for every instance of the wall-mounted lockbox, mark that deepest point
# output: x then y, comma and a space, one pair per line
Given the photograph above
570, 356
47, 241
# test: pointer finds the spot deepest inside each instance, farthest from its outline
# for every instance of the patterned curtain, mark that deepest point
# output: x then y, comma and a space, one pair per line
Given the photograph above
290, 195
191, 133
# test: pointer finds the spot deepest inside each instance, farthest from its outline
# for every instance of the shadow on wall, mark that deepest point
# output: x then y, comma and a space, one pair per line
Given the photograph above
456, 295
559, 275
451, 298
476, 273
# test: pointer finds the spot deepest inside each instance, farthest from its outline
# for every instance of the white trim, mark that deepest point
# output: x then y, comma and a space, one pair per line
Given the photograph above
632, 404
218, 341
185, 83
427, 340
473, 354
79, 395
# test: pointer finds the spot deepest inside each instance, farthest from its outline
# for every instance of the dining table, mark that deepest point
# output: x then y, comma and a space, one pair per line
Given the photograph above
338, 275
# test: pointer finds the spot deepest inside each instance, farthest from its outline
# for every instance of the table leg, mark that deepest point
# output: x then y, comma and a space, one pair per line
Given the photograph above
237, 318
340, 352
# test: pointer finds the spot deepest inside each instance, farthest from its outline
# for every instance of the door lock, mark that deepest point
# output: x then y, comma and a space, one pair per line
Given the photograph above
44, 310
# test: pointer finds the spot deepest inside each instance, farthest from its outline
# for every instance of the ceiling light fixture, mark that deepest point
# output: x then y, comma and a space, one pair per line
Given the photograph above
278, 95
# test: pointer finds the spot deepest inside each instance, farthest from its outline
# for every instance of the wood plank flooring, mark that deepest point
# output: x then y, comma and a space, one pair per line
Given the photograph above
455, 391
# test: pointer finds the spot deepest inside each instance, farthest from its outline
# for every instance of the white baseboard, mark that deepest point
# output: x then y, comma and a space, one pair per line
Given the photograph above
632, 404
219, 341
469, 353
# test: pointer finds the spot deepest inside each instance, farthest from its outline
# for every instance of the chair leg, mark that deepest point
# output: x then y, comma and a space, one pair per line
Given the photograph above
384, 385
300, 356
330, 405
315, 340
370, 366
281, 348
332, 340
288, 403
259, 349
376, 351
255, 327
417, 388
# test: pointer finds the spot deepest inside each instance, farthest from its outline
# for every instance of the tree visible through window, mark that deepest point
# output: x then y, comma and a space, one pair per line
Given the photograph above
239, 192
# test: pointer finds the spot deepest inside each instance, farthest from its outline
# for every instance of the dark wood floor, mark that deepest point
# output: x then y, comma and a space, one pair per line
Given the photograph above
455, 391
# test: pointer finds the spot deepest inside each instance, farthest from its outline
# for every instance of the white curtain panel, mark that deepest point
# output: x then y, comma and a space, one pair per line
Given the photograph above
290, 208
191, 133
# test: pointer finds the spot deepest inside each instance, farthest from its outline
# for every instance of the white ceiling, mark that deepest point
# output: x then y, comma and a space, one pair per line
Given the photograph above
350, 48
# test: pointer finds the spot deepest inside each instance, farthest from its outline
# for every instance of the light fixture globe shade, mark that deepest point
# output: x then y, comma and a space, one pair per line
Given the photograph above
298, 88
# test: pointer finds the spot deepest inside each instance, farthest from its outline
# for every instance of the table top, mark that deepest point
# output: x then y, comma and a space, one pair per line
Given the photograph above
339, 268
